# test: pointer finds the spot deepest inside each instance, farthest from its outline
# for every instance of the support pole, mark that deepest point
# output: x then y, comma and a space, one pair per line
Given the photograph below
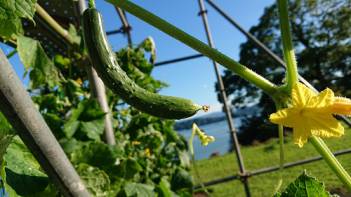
125, 25
260, 45
98, 91
226, 107
20, 111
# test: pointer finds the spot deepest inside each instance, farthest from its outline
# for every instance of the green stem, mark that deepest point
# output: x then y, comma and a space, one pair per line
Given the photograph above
190, 144
278, 106
288, 50
333, 163
12, 53
91, 4
53, 24
196, 44
191, 150
281, 147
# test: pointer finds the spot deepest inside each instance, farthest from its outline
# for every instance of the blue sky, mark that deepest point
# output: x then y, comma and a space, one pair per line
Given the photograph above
192, 79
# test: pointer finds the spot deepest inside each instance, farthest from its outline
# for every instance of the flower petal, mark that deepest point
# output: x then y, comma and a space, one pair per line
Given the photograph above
341, 106
301, 95
322, 100
323, 125
288, 117
301, 135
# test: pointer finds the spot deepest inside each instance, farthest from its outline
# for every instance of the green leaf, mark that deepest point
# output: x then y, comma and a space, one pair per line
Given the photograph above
97, 154
25, 8
62, 62
6, 135
164, 189
33, 56
181, 179
93, 129
22, 170
92, 110
96, 180
129, 168
86, 121
305, 186
50, 190
139, 190
74, 35
73, 88
184, 158
69, 145
70, 127
11, 12
5, 127
55, 123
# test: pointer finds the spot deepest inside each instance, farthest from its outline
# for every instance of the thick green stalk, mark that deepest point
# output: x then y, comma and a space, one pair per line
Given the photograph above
288, 49
196, 44
333, 163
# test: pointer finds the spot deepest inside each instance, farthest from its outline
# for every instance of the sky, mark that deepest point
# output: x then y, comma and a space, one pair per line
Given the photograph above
194, 79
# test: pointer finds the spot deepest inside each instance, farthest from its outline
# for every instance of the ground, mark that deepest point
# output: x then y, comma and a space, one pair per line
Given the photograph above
266, 155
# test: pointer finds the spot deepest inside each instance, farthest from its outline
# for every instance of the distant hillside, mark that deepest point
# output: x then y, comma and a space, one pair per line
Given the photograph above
215, 117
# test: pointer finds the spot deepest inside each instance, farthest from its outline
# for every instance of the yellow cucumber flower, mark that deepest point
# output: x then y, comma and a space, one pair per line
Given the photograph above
312, 114
204, 139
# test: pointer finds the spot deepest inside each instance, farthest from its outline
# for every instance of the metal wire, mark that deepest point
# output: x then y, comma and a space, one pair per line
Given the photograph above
270, 169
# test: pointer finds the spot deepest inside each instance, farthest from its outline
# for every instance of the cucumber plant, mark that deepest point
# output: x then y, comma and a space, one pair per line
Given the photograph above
105, 63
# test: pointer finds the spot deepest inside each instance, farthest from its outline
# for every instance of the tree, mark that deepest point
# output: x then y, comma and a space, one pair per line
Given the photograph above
321, 36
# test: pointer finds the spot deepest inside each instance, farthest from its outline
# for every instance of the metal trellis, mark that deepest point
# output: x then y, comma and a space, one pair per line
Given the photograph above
243, 175
226, 107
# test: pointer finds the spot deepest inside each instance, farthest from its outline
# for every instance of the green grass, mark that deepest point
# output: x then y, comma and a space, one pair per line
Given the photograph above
266, 155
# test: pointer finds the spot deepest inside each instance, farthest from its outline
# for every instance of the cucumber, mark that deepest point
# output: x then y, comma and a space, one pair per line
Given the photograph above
104, 61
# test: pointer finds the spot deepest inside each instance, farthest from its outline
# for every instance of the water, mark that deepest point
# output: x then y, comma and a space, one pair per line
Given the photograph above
220, 131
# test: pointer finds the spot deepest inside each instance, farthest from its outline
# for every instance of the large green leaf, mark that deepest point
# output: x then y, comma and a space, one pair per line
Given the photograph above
91, 111
71, 126
22, 170
6, 135
97, 154
181, 179
164, 188
305, 186
139, 190
11, 12
25, 8
129, 168
93, 129
88, 119
96, 180
33, 56
55, 124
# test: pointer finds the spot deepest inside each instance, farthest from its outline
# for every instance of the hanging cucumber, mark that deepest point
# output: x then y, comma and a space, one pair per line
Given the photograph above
104, 61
